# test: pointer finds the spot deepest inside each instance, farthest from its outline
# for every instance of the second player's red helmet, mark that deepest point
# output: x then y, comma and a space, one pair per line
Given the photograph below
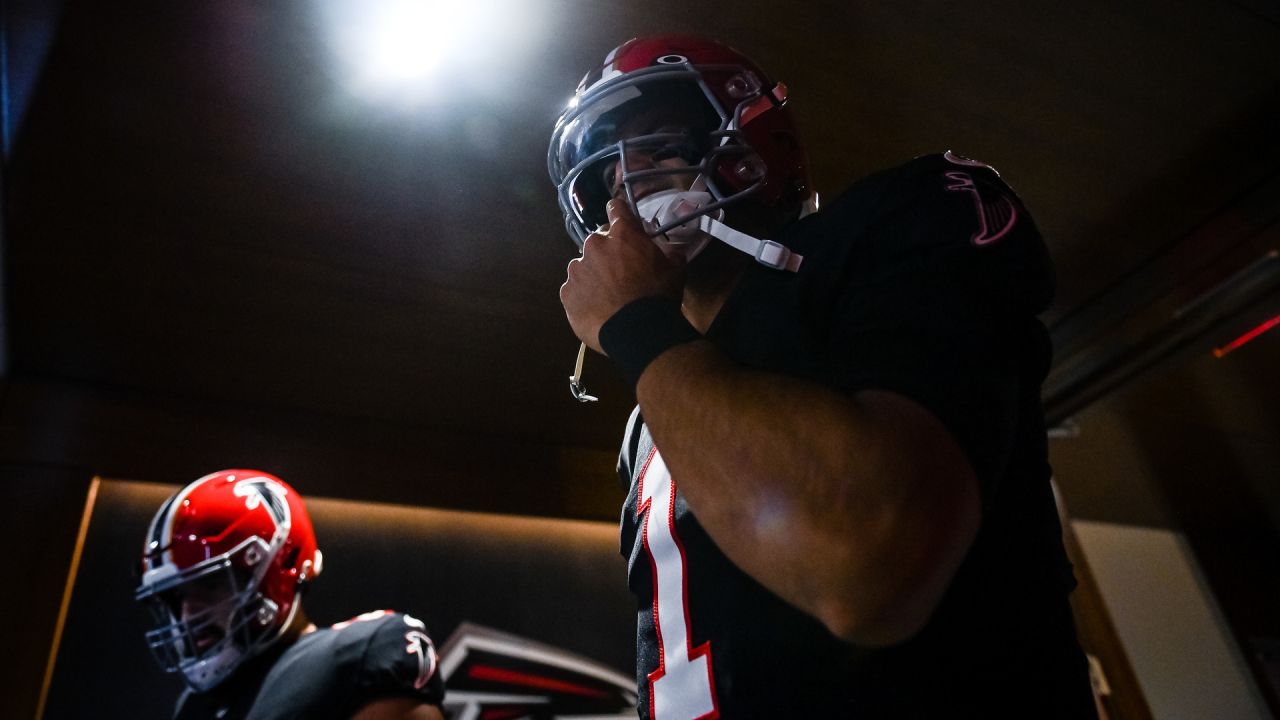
248, 533
726, 117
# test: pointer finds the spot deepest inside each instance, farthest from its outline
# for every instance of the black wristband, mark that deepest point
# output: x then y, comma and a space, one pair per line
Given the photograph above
641, 331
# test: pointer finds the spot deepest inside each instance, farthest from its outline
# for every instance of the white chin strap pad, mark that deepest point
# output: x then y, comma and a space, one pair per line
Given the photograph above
690, 238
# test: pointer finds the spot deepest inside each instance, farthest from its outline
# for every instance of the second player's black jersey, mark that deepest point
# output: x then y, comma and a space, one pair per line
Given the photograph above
924, 280
328, 674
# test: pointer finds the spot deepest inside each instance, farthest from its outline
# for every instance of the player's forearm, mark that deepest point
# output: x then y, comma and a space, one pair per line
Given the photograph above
845, 507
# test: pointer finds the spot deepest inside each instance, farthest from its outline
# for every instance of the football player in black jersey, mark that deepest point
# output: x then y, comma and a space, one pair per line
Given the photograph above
224, 566
839, 497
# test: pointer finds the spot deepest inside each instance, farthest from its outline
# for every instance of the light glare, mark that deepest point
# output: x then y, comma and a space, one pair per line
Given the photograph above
396, 49
409, 55
408, 39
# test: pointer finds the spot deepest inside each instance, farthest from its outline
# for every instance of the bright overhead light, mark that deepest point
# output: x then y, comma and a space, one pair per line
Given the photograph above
406, 40
396, 49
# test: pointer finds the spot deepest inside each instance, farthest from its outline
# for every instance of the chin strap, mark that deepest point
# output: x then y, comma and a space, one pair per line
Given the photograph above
766, 252
662, 211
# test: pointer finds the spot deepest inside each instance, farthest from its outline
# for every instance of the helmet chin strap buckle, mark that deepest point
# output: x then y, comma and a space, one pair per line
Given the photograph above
772, 254
576, 388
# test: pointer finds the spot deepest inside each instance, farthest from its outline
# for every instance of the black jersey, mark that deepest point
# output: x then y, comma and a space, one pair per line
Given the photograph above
329, 673
924, 280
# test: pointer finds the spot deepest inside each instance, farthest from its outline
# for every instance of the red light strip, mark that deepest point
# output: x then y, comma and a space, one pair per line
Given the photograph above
488, 672
1238, 342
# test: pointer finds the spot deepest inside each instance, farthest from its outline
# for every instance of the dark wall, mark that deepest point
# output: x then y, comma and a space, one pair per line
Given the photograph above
558, 582
38, 526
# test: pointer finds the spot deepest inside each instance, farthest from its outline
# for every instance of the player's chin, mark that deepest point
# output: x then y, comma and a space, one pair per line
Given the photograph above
684, 250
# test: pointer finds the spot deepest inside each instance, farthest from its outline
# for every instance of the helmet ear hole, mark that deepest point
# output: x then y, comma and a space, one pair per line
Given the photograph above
750, 168
742, 85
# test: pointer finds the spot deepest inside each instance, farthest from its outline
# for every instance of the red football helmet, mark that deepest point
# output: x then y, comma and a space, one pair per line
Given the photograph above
679, 96
223, 568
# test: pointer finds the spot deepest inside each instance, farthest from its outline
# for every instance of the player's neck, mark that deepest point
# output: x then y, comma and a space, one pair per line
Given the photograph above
300, 625
711, 279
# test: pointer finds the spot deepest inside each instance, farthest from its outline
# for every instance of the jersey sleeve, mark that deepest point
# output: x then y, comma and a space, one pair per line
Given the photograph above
400, 659
939, 304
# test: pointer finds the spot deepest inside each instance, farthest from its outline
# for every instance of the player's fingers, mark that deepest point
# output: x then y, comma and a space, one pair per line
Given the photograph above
620, 215
570, 275
593, 242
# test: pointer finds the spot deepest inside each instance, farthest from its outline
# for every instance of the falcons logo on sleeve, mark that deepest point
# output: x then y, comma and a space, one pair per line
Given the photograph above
996, 210
420, 644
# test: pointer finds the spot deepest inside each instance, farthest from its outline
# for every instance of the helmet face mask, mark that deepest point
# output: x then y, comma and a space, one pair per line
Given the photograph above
674, 97
223, 569
211, 616
651, 116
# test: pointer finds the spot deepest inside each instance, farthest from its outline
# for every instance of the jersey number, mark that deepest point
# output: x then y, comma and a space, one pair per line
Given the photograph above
681, 687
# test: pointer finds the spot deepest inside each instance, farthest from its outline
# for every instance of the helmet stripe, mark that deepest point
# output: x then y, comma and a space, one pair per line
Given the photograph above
154, 538
178, 499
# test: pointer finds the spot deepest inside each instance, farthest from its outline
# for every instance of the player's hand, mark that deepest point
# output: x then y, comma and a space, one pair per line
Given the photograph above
618, 264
